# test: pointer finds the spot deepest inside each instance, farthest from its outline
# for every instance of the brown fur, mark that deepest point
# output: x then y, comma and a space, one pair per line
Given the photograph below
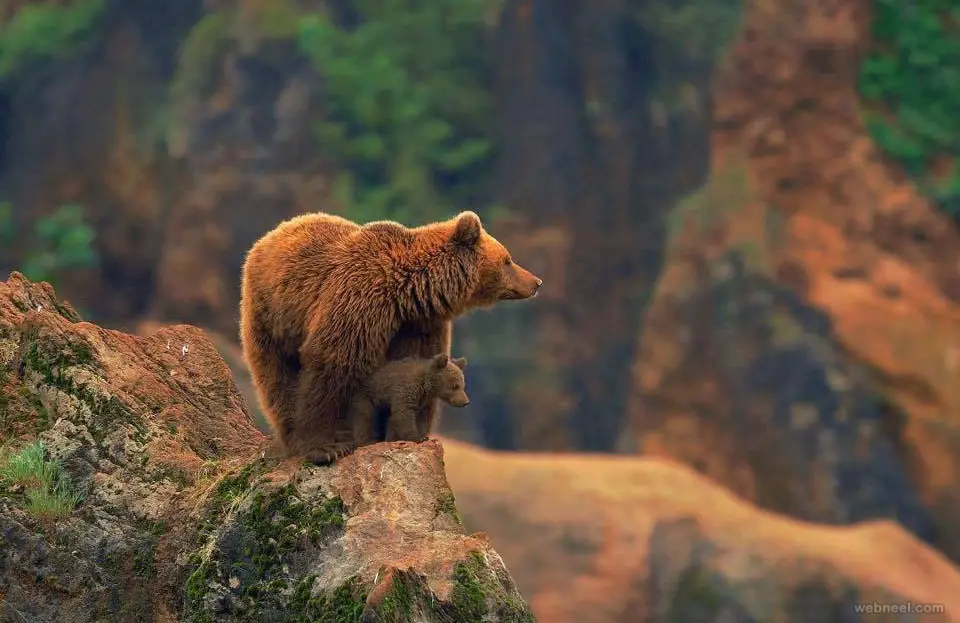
325, 302
404, 388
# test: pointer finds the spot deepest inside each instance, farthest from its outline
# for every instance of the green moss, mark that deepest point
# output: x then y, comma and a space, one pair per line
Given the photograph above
257, 553
726, 192
447, 503
66, 311
468, 594
168, 473
475, 584
198, 582
6, 387
204, 568
54, 360
227, 490
144, 558
345, 604
267, 524
697, 597
108, 414
231, 487
397, 605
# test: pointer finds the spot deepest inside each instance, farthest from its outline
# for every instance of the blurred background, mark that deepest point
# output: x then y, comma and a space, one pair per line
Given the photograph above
744, 214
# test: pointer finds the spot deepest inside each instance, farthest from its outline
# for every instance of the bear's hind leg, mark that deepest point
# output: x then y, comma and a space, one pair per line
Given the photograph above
274, 376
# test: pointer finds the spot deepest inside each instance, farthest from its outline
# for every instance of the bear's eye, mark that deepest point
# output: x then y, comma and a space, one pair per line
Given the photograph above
507, 261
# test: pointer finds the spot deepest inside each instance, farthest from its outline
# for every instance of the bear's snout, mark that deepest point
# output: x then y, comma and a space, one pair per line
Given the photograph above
536, 288
524, 284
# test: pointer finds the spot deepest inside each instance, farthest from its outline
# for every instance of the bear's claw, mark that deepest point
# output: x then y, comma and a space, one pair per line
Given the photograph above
326, 454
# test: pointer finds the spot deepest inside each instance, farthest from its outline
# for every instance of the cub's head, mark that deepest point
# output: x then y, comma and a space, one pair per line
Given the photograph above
447, 380
499, 278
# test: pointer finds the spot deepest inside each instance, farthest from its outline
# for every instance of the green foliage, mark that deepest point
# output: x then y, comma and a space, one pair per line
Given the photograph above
409, 107
695, 30
60, 241
47, 490
205, 42
685, 39
43, 32
914, 76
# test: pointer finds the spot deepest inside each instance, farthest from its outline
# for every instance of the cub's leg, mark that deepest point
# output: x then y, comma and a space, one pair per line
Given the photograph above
423, 340
402, 424
363, 415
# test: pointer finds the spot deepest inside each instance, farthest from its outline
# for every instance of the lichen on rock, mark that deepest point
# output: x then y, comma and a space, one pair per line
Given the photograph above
185, 514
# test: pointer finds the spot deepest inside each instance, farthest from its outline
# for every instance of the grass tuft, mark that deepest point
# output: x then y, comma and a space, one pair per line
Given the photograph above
47, 490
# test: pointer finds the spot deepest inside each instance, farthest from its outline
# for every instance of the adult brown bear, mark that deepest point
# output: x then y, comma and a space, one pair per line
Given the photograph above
325, 302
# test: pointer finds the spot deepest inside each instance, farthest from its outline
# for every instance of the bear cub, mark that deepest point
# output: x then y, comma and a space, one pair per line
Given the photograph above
405, 387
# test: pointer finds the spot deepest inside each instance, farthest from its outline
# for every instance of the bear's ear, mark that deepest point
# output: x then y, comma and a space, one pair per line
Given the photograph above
440, 361
467, 230
460, 362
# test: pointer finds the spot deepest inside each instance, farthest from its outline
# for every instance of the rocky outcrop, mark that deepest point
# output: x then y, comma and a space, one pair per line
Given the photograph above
595, 539
802, 344
170, 506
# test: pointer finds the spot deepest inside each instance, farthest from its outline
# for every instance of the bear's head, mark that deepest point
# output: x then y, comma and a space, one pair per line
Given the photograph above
499, 278
447, 381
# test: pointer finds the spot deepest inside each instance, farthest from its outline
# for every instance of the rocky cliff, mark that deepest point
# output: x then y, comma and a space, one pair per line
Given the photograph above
803, 341
134, 487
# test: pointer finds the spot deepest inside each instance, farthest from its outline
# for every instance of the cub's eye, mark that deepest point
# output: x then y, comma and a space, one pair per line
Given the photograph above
507, 262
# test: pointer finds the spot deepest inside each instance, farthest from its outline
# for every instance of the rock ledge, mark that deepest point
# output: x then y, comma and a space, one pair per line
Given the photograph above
179, 513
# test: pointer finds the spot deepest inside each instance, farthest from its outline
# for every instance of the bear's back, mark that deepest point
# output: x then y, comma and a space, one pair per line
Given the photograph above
286, 270
316, 231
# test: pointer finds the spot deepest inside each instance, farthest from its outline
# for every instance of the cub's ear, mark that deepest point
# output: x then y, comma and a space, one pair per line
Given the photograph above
460, 362
467, 230
440, 361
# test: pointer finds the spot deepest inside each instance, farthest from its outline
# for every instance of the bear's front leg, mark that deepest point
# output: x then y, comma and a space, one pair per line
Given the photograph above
319, 405
344, 348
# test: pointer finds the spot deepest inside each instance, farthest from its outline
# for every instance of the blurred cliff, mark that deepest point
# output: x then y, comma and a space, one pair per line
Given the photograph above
743, 212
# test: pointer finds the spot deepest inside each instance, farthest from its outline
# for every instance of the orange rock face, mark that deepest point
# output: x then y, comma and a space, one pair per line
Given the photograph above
593, 539
820, 380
